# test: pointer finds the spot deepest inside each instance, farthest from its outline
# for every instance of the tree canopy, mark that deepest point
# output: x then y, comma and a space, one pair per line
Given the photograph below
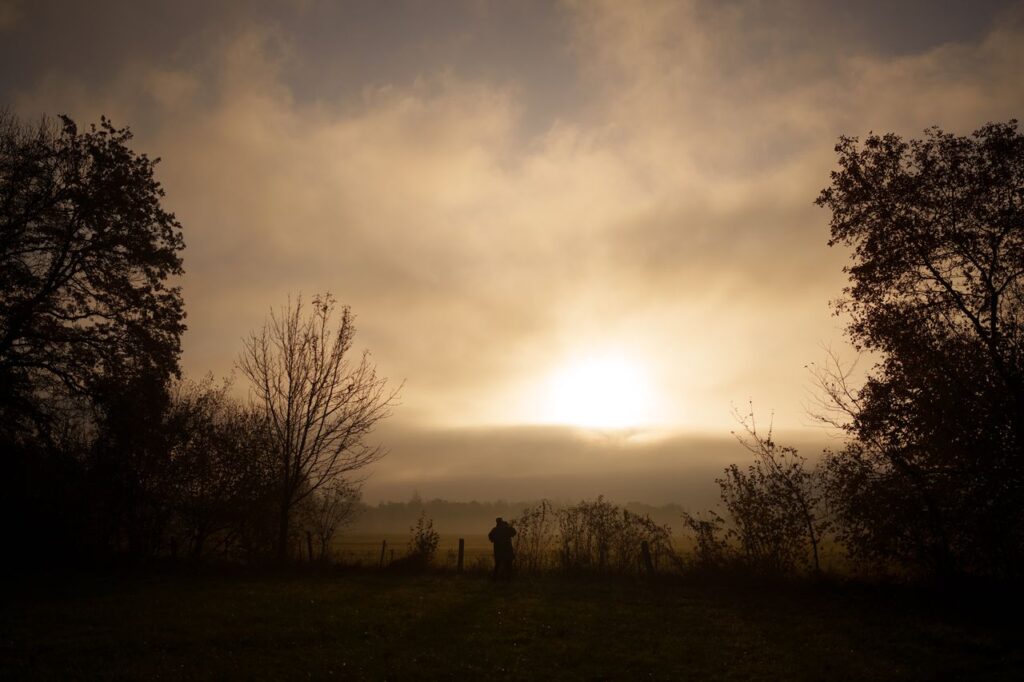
936, 228
86, 252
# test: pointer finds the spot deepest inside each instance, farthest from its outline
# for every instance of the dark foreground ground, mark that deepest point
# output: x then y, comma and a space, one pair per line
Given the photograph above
362, 625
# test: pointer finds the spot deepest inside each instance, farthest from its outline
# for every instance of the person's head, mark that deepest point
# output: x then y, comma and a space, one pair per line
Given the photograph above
499, 521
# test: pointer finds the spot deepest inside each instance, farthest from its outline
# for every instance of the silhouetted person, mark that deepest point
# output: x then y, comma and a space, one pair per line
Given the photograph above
501, 535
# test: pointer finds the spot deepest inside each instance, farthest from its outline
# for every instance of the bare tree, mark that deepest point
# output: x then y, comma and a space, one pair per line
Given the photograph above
320, 405
835, 401
327, 510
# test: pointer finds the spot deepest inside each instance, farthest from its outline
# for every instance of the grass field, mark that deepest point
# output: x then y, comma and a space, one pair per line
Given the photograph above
363, 549
386, 625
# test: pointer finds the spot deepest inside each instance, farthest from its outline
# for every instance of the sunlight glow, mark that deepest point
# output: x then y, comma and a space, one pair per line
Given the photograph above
606, 391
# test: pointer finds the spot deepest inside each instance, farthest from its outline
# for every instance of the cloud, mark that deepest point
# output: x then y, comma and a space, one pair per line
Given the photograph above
10, 13
530, 463
668, 210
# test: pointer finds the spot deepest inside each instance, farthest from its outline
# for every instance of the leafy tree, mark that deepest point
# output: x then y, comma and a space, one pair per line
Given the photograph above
320, 407
129, 468
220, 474
935, 474
86, 250
89, 334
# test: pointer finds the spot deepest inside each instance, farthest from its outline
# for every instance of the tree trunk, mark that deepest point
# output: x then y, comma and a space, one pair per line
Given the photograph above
325, 543
197, 544
282, 532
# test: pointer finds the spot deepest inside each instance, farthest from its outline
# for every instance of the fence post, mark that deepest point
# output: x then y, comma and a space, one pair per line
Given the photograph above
383, 547
462, 554
645, 551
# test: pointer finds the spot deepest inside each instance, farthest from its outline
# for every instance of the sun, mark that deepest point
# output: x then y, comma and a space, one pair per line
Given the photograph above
608, 391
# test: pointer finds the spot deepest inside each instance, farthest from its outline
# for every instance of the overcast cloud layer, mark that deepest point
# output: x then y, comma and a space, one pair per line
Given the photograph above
497, 188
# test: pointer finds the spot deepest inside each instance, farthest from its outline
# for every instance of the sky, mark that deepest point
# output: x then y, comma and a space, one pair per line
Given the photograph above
581, 233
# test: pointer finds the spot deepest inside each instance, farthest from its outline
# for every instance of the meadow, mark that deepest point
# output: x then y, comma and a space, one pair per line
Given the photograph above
370, 624
364, 549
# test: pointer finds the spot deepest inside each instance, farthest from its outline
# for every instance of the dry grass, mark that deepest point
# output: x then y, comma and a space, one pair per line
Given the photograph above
382, 625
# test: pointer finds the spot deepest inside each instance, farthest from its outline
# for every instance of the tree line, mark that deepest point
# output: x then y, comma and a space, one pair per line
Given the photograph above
108, 451
930, 479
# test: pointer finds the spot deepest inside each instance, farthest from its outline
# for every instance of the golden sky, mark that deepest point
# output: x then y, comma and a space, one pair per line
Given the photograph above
522, 201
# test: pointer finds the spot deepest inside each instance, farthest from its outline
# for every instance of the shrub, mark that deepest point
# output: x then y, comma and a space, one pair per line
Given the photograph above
600, 536
536, 537
711, 549
423, 541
